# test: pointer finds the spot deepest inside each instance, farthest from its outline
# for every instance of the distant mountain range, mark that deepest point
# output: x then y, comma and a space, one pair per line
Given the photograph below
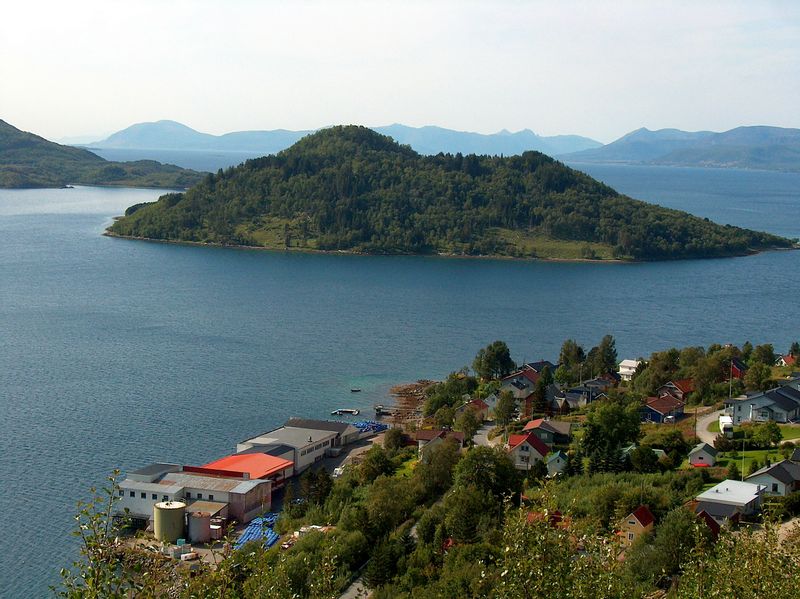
171, 135
27, 160
771, 148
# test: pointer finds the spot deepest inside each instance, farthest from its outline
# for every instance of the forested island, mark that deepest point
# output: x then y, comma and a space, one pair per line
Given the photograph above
30, 161
352, 189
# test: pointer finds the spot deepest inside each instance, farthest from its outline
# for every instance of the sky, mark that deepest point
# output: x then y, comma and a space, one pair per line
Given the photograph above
600, 69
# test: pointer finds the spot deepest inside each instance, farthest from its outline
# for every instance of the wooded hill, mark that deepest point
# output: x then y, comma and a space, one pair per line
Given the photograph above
27, 160
350, 188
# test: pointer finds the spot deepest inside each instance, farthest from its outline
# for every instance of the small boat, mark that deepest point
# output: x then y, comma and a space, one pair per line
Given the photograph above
355, 390
348, 411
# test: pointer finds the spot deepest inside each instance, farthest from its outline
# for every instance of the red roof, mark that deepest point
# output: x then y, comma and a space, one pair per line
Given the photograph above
256, 465
712, 524
789, 359
533, 424
532, 440
527, 373
479, 404
685, 385
643, 515
664, 404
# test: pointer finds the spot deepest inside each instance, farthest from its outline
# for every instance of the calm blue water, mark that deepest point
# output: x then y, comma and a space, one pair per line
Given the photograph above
116, 353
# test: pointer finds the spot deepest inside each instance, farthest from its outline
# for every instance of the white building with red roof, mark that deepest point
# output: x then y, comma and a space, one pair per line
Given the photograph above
526, 449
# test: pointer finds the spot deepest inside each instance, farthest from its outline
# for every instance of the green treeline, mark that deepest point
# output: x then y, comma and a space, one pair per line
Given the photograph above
349, 188
29, 161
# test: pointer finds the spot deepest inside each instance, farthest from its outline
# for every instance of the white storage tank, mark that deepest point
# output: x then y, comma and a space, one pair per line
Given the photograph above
200, 527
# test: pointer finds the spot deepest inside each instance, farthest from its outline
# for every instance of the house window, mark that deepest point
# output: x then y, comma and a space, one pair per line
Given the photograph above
524, 459
524, 448
155, 497
133, 494
211, 498
199, 495
144, 495
630, 536
632, 522
188, 495
164, 498
121, 493
774, 487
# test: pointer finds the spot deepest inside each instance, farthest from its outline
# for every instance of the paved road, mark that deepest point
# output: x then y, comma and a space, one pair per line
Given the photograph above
702, 427
482, 436
357, 590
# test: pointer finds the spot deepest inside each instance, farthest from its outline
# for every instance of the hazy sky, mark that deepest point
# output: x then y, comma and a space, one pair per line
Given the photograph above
593, 68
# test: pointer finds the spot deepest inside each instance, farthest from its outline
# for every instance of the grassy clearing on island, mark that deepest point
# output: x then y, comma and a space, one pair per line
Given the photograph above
528, 244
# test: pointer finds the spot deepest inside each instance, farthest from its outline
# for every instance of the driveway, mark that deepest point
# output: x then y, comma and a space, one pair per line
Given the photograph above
703, 423
482, 436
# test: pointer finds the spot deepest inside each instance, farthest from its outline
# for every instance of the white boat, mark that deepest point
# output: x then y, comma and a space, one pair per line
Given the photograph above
348, 411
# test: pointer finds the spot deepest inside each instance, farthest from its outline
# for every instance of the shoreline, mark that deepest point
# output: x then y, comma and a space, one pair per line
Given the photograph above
109, 233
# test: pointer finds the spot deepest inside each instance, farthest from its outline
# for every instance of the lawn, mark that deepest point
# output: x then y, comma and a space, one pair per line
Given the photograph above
789, 431
752, 454
406, 469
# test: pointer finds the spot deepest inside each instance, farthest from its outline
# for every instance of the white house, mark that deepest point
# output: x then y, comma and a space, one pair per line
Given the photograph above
627, 368
781, 404
556, 463
781, 478
525, 450
729, 500
703, 454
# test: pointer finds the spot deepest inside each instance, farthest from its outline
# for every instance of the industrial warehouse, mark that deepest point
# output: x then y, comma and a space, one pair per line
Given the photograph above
173, 500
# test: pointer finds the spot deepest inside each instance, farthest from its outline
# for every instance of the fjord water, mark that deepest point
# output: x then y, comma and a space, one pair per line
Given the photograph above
114, 353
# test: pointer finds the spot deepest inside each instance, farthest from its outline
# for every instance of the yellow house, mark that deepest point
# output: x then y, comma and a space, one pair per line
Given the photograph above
637, 523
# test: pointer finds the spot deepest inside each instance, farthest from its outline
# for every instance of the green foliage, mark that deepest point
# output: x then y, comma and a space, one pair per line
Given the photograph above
763, 354
449, 393
393, 439
27, 160
748, 564
758, 376
542, 561
733, 471
644, 459
493, 361
488, 469
606, 498
376, 463
504, 408
349, 188
610, 425
467, 422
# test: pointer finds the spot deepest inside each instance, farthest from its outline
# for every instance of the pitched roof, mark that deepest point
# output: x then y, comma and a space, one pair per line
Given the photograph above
721, 510
795, 457
789, 359
685, 385
664, 404
532, 440
712, 524
255, 465
554, 426
556, 455
709, 449
786, 472
643, 515
479, 404
540, 365
738, 364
